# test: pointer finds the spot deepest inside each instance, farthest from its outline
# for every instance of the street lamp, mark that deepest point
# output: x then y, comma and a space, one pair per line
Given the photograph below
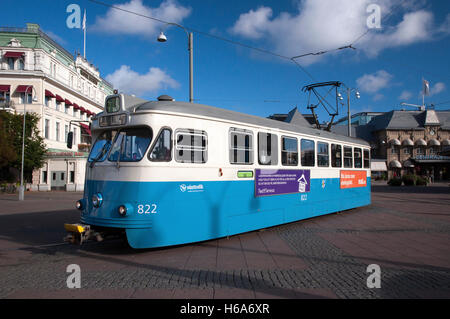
358, 96
163, 38
34, 99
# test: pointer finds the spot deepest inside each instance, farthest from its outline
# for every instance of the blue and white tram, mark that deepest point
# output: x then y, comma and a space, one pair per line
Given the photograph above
169, 173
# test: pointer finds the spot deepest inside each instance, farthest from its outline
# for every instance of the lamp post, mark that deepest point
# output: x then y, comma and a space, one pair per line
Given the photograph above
163, 38
349, 90
34, 99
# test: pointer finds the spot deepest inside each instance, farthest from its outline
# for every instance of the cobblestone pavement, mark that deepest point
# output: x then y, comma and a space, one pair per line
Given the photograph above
406, 231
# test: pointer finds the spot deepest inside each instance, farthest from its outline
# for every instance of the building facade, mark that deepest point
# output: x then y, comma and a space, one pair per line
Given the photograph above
40, 76
407, 142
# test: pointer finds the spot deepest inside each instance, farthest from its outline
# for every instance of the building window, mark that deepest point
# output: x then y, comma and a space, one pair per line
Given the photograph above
72, 177
407, 150
57, 131
66, 132
322, 154
58, 106
162, 149
366, 159
44, 177
336, 155
434, 150
348, 157
20, 64
10, 62
358, 157
4, 96
394, 149
241, 146
25, 98
289, 151
267, 149
191, 146
420, 151
47, 129
47, 101
308, 152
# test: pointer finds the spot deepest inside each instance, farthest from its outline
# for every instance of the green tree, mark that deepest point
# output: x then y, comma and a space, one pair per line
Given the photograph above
11, 132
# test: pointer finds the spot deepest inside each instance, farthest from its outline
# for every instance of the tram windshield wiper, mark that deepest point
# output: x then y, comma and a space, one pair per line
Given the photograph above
100, 154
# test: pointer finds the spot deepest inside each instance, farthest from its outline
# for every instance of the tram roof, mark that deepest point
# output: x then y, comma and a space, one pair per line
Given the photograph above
219, 113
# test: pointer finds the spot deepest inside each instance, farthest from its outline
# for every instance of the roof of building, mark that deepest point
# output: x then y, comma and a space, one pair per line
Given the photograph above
398, 120
295, 125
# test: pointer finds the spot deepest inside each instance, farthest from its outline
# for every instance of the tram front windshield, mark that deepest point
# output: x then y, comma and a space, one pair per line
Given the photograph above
102, 145
130, 145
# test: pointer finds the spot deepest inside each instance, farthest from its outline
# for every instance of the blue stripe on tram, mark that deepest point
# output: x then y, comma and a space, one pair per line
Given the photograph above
171, 213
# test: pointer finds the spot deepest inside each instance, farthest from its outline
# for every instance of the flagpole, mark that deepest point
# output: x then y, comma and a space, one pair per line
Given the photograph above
84, 28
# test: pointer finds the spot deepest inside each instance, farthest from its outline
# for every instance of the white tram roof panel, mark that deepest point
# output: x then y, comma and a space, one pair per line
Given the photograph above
219, 113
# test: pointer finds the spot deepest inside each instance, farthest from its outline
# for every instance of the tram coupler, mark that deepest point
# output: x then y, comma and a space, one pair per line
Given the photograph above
79, 233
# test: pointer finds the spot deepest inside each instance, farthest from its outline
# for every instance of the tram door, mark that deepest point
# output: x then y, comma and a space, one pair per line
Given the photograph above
58, 180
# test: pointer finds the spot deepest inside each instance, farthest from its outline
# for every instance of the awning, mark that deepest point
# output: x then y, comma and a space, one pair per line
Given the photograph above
420, 142
407, 142
395, 141
82, 109
446, 142
5, 88
378, 166
48, 93
395, 164
24, 88
433, 142
12, 54
59, 98
75, 106
408, 163
67, 102
85, 128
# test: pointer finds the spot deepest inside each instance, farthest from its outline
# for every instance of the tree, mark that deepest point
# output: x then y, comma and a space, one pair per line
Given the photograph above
11, 132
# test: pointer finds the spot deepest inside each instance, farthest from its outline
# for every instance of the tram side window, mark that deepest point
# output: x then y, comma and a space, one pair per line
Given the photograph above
162, 150
241, 146
289, 151
348, 157
267, 149
322, 154
366, 159
336, 155
358, 157
191, 146
307, 147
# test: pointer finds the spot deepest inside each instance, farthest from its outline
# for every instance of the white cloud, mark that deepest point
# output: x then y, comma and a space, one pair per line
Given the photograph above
120, 22
253, 24
372, 83
445, 26
328, 24
131, 82
405, 95
437, 88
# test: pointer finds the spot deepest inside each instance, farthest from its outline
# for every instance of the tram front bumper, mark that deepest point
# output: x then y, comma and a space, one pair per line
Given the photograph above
79, 233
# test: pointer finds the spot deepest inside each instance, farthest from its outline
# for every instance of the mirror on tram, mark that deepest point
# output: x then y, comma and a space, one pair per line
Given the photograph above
69, 139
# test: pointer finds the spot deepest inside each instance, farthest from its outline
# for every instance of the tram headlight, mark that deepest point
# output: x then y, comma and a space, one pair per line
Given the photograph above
125, 210
122, 210
97, 200
79, 204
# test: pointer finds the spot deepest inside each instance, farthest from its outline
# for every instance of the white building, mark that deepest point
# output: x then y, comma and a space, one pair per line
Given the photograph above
66, 89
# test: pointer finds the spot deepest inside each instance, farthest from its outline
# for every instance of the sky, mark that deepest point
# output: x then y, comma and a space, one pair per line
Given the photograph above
394, 46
